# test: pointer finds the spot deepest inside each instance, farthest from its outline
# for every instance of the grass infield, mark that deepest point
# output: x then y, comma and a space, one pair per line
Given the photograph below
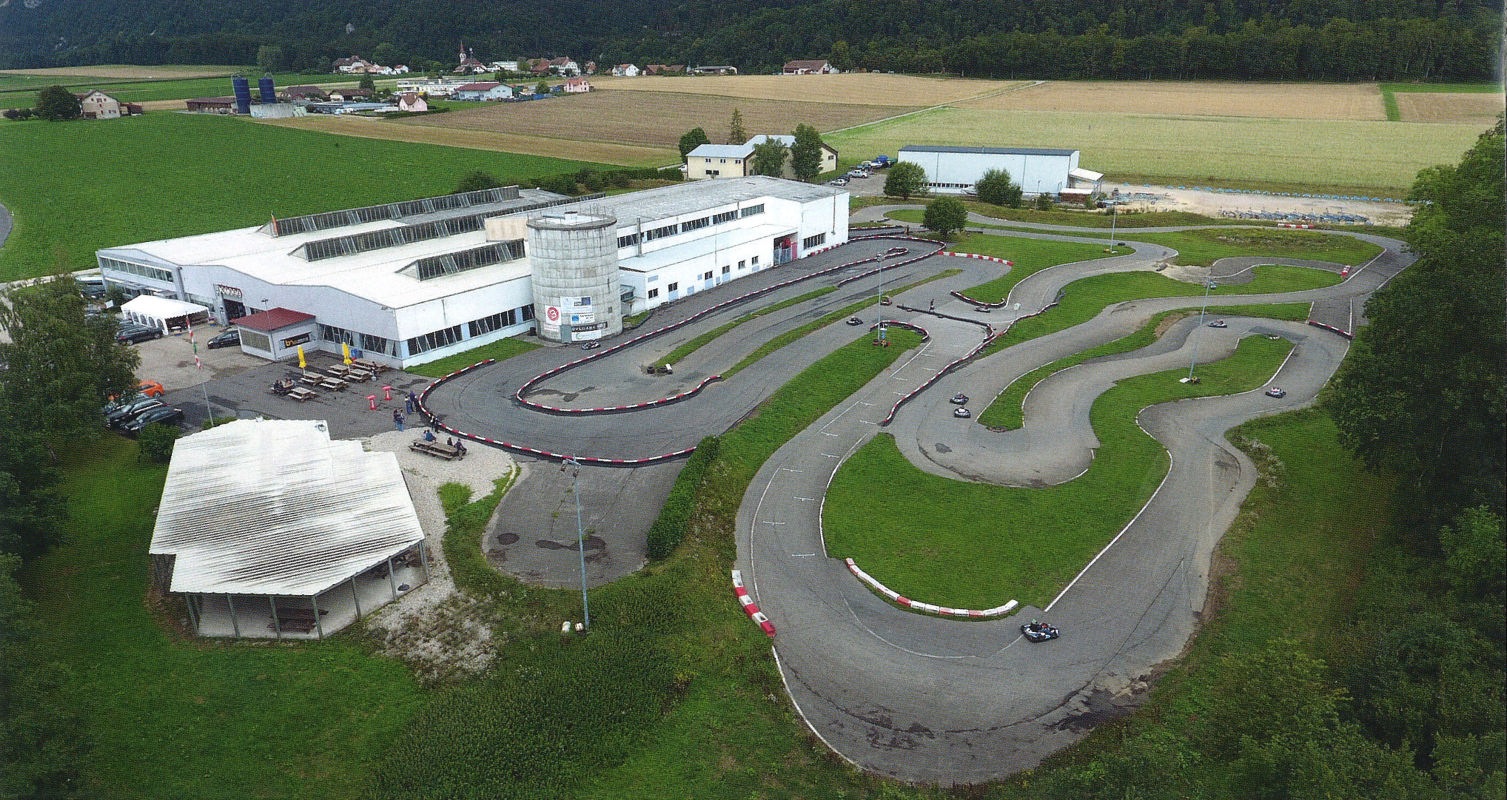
501, 350
1028, 255
973, 545
1203, 247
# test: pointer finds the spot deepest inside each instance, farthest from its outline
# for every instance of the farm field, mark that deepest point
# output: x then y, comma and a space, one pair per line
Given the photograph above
129, 72
150, 91
653, 118
1220, 99
1477, 108
180, 174
426, 130
870, 88
1364, 155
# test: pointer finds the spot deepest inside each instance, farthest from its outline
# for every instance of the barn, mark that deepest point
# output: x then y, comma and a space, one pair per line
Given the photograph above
269, 529
1038, 170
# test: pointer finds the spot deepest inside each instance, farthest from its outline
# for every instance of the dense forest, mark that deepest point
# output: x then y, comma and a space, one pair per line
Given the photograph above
1273, 39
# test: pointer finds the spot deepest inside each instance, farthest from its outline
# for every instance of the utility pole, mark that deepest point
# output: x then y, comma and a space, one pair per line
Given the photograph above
575, 476
1207, 286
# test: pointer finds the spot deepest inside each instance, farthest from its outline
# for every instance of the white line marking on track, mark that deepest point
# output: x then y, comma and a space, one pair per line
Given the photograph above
772, 522
876, 635
807, 499
788, 469
781, 670
802, 555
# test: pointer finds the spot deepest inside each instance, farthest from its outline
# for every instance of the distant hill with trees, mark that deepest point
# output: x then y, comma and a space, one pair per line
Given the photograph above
1183, 39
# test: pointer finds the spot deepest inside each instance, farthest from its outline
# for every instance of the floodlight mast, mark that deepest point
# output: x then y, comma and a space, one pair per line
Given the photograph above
1207, 286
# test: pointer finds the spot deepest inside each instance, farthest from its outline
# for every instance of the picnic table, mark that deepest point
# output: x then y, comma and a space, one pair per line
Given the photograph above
301, 394
374, 367
337, 370
357, 375
333, 384
438, 449
311, 378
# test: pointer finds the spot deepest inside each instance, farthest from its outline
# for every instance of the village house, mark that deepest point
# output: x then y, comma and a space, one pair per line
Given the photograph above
485, 90
347, 95
736, 160
664, 69
503, 66
351, 65
412, 102
294, 94
95, 104
715, 70
809, 67
625, 71
577, 86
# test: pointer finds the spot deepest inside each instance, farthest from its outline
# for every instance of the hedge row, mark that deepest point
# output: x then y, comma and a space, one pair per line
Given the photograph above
589, 180
669, 529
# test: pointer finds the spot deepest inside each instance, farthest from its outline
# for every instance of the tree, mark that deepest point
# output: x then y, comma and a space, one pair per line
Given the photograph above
385, 54
735, 132
270, 58
62, 366
806, 153
691, 140
57, 103
367, 83
157, 441
769, 158
31, 511
1422, 392
904, 180
996, 188
945, 216
541, 88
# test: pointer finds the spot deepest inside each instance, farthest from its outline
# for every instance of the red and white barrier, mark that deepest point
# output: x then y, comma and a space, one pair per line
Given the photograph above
749, 607
941, 611
1315, 323
982, 258
1300, 225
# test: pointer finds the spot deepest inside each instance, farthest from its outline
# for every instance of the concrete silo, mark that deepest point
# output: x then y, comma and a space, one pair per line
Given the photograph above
573, 261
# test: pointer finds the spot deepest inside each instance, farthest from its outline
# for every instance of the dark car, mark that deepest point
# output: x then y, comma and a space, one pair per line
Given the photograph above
137, 334
165, 415
230, 338
959, 399
127, 412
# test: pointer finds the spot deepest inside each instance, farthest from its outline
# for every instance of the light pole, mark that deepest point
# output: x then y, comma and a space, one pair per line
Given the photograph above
879, 310
1113, 218
1207, 286
575, 477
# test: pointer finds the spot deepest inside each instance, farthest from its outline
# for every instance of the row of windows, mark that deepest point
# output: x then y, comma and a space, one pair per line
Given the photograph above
500, 320
631, 239
706, 276
429, 341
813, 241
136, 269
475, 258
368, 342
949, 185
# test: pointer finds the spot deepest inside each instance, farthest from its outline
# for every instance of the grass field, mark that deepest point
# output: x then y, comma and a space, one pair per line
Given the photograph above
163, 89
1005, 412
422, 130
1195, 98
130, 72
971, 545
1204, 247
273, 720
652, 118
1363, 155
1028, 255
860, 88
1437, 105
1077, 218
501, 350
178, 174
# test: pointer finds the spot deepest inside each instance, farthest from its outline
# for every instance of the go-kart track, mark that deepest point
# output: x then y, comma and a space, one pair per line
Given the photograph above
917, 697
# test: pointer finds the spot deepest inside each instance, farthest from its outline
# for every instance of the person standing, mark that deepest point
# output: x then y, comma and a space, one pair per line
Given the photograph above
397, 419
412, 403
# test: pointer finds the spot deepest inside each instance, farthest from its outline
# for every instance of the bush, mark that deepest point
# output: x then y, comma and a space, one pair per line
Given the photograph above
619, 179
669, 529
593, 181
1044, 202
157, 440
57, 103
475, 181
945, 215
215, 423
559, 184
19, 114
996, 188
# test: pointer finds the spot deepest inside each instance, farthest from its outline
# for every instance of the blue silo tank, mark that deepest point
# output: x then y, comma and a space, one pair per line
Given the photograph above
242, 94
269, 92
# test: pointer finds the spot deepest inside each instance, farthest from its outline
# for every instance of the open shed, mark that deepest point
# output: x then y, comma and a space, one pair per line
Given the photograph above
268, 528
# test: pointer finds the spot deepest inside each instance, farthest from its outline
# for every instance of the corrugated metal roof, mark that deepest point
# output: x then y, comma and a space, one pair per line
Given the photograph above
275, 507
1003, 151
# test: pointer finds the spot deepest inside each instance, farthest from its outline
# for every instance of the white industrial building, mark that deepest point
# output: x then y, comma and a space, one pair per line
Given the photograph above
407, 283
1037, 170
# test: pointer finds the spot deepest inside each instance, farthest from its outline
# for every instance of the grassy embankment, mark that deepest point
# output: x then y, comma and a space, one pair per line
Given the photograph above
1080, 218
971, 545
1005, 410
180, 174
501, 350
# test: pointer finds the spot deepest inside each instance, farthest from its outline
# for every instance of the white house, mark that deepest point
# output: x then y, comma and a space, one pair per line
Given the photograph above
352, 65
625, 71
95, 104
503, 66
410, 282
412, 102
1037, 170
736, 160
577, 86
486, 90
809, 67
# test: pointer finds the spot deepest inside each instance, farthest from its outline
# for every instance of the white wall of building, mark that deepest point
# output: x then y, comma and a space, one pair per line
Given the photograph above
951, 173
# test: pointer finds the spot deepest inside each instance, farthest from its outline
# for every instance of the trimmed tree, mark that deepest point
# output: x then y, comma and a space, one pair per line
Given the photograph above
57, 103
475, 181
769, 158
691, 140
996, 188
905, 180
806, 153
735, 132
945, 216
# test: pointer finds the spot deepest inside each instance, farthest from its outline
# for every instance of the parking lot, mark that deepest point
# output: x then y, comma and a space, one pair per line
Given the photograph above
170, 360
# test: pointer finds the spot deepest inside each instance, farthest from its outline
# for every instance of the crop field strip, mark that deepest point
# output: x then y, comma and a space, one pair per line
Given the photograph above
869, 88
651, 118
1476, 108
130, 72
1358, 101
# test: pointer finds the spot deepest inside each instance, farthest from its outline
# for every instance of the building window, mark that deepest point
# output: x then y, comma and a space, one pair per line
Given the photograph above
330, 333
627, 241
695, 224
755, 261
430, 341
726, 270
661, 232
142, 270
674, 286
498, 321
653, 293
526, 313
752, 210
813, 241
744, 264
706, 276
726, 216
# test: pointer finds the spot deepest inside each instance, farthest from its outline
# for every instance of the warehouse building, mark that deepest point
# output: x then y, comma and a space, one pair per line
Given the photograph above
406, 283
1037, 170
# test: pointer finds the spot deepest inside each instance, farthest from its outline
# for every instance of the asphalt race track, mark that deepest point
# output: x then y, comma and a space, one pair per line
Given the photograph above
915, 697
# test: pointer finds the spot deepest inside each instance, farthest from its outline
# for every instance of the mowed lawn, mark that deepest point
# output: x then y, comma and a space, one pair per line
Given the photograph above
974, 545
175, 718
75, 187
1027, 255
1203, 247
1361, 155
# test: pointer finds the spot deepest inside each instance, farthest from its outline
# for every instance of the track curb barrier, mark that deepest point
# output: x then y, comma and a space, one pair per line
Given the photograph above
1315, 323
928, 608
749, 606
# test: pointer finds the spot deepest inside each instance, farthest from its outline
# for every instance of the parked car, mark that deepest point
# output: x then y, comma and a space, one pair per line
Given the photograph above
229, 338
91, 286
857, 173
150, 389
961, 413
125, 413
839, 181
1218, 323
1276, 392
121, 402
165, 415
137, 334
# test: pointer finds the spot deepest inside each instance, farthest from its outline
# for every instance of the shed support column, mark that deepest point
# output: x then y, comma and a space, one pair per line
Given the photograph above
276, 625
319, 626
356, 597
392, 582
234, 625
193, 613
424, 559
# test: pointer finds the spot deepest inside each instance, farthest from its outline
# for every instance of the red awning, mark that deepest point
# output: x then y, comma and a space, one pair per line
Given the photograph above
274, 319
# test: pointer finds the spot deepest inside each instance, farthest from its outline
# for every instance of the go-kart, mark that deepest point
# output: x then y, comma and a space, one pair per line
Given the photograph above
854, 321
961, 413
1039, 632
959, 399
1276, 392
1219, 323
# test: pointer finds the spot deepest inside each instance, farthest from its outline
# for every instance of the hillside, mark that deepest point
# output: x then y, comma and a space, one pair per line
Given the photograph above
1321, 39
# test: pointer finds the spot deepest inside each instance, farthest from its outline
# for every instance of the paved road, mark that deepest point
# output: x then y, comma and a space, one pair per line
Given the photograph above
914, 697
